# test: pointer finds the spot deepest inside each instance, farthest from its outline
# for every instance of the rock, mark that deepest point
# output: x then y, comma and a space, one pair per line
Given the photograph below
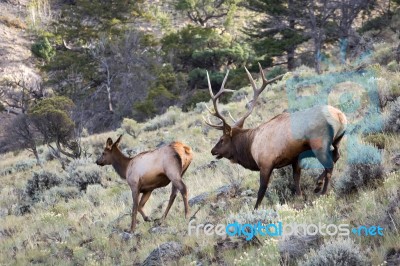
295, 246
220, 205
247, 193
233, 243
396, 159
3, 212
165, 253
126, 236
199, 199
393, 257
202, 198
162, 230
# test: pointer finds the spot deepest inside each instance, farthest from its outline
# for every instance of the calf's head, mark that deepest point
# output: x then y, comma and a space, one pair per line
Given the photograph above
108, 155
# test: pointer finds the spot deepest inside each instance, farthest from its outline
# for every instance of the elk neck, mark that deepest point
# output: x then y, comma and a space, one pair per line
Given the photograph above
120, 163
242, 141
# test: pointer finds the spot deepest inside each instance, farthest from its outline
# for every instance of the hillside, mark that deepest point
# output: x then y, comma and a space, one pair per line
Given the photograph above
59, 224
67, 210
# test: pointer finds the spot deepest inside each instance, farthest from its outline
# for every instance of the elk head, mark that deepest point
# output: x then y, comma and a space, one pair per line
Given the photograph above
107, 157
224, 147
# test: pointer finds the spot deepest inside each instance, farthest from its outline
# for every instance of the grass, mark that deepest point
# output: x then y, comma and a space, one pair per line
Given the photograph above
12, 22
87, 228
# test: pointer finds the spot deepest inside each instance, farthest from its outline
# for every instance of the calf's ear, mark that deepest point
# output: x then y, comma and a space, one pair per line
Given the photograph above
109, 143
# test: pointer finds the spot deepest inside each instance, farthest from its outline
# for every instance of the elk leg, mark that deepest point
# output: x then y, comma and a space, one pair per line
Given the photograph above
145, 197
296, 176
264, 180
320, 182
170, 202
183, 190
324, 156
327, 180
135, 197
174, 174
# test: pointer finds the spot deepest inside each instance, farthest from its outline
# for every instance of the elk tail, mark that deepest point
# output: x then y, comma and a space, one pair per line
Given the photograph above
183, 154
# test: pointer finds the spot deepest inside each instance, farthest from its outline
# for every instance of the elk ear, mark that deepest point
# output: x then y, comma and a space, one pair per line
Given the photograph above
109, 143
228, 130
118, 140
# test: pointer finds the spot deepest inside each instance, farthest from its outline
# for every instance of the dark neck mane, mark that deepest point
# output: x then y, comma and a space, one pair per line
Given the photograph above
121, 163
242, 154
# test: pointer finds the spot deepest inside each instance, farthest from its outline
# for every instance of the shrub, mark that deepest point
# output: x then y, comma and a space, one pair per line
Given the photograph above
22, 166
357, 176
83, 176
131, 127
64, 192
383, 54
393, 66
165, 120
336, 252
197, 97
282, 188
377, 140
250, 216
392, 123
274, 72
40, 182
293, 247
43, 49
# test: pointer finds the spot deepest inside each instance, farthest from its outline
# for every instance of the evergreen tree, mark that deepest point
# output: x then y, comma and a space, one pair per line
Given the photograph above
279, 32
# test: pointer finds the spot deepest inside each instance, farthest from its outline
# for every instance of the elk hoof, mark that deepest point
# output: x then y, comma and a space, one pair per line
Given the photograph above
147, 219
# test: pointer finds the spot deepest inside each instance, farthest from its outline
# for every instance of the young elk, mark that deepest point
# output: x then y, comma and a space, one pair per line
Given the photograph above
150, 170
281, 141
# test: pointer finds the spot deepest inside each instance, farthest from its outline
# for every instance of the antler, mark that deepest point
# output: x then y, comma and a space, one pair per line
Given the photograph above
257, 92
214, 99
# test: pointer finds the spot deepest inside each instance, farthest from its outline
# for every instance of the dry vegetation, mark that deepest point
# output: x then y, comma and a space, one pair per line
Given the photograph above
78, 216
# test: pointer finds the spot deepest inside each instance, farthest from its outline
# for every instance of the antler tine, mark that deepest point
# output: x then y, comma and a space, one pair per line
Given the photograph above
215, 98
256, 91
212, 125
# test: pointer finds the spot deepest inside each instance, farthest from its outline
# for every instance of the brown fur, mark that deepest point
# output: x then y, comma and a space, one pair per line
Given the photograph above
282, 140
150, 170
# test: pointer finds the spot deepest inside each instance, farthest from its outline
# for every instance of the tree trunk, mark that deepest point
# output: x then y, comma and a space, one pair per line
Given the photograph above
317, 55
343, 43
290, 57
292, 48
34, 150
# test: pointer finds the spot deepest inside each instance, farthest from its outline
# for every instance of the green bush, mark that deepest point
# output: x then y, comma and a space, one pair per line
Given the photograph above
275, 71
197, 97
43, 49
341, 252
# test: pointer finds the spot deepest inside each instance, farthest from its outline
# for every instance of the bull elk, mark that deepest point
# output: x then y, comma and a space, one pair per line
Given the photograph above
150, 170
281, 141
